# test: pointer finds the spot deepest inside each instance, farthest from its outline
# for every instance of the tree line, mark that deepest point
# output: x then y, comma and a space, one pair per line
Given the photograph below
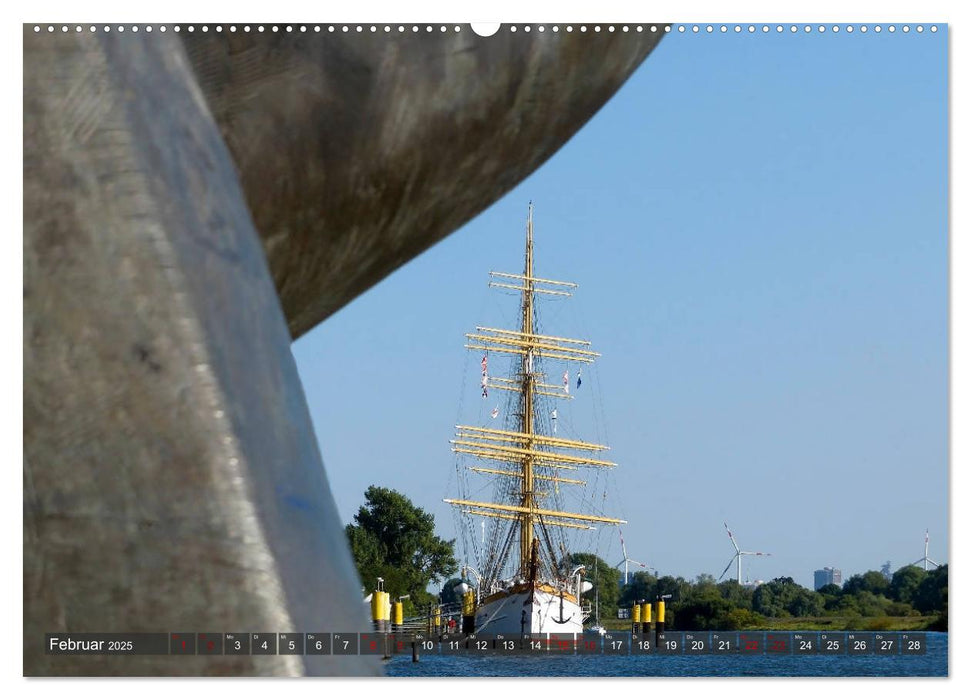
392, 539
705, 604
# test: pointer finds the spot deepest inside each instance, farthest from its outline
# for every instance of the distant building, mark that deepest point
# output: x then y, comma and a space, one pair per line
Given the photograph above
885, 570
825, 576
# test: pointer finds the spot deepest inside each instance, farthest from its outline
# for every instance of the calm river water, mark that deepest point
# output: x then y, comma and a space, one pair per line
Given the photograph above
933, 663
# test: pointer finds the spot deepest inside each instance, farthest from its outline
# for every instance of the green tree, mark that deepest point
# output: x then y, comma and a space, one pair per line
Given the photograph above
703, 608
931, 593
895, 609
870, 605
782, 597
740, 618
604, 578
843, 605
905, 582
737, 595
642, 586
766, 600
677, 588
871, 581
393, 539
805, 603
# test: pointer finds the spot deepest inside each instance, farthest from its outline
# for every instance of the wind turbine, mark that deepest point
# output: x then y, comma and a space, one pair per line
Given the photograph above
925, 561
738, 557
626, 559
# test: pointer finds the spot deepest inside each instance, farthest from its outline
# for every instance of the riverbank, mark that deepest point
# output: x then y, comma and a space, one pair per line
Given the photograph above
911, 623
857, 623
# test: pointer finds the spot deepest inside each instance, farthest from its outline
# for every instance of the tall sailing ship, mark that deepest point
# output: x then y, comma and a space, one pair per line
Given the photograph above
524, 581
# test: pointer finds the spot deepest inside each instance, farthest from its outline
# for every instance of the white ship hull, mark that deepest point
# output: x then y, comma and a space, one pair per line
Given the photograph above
503, 613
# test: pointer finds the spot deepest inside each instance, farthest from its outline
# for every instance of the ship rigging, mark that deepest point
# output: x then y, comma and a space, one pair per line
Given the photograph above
525, 582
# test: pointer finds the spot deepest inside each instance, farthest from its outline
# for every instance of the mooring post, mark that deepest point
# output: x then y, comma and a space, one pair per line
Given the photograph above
659, 620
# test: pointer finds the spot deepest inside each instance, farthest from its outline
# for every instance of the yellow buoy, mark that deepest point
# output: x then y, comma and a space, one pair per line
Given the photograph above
376, 605
399, 613
636, 612
646, 613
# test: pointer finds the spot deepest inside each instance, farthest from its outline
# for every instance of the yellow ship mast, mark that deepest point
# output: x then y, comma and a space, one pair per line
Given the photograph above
526, 447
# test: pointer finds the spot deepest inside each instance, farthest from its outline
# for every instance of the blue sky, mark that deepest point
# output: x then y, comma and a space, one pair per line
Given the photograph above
758, 224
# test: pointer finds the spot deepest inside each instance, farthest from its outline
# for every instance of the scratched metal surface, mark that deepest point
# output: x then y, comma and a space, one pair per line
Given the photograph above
358, 151
172, 481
